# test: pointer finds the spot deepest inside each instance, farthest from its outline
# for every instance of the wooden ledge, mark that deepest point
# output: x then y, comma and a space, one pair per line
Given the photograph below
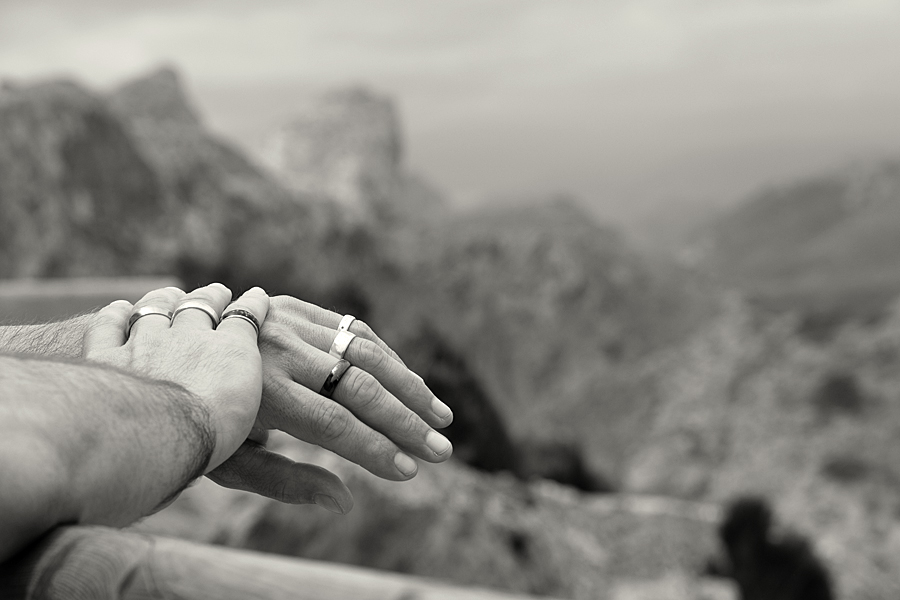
96, 563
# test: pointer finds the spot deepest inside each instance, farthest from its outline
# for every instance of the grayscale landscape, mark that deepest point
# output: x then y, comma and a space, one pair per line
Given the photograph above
623, 359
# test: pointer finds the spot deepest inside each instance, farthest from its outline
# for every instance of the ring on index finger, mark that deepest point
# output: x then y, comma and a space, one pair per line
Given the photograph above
337, 372
341, 343
145, 311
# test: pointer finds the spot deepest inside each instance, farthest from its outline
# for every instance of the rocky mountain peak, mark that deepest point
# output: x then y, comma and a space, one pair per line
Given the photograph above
159, 97
344, 145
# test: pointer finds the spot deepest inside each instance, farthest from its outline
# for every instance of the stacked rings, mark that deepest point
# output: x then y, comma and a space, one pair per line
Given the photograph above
346, 322
341, 343
197, 304
246, 315
145, 311
337, 372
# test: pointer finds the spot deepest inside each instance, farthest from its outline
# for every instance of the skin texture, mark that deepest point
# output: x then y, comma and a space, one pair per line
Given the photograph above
112, 438
380, 416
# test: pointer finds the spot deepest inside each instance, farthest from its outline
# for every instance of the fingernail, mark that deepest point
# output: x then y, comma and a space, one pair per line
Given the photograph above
438, 443
118, 302
440, 409
172, 287
405, 464
257, 289
328, 503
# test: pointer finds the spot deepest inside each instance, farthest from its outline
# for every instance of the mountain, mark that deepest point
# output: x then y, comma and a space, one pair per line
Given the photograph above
76, 197
553, 314
826, 244
346, 145
565, 352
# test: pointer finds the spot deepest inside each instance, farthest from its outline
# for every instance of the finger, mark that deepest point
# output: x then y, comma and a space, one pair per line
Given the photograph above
372, 404
163, 300
191, 310
107, 329
258, 434
254, 301
288, 309
307, 416
252, 468
367, 400
408, 387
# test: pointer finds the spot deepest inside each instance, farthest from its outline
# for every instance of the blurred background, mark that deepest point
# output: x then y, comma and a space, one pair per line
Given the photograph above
647, 251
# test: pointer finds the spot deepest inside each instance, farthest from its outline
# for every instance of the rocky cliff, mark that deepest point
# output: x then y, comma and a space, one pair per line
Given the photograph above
828, 243
76, 198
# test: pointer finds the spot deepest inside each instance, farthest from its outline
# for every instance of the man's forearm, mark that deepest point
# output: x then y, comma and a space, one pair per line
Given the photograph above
82, 443
60, 338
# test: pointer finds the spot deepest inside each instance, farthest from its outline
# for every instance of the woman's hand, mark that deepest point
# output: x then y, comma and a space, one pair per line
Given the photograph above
380, 413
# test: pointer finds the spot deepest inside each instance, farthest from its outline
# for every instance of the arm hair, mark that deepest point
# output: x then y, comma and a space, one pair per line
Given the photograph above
84, 443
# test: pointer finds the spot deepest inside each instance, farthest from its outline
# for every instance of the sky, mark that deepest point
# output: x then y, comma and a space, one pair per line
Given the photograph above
639, 108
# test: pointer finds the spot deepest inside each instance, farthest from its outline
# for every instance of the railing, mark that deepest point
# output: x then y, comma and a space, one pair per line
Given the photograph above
96, 563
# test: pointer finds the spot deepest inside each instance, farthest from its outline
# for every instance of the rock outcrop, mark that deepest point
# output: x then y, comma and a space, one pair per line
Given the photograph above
463, 526
76, 197
346, 146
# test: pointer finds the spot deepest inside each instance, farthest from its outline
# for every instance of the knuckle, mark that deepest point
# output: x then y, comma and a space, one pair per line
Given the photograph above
412, 422
362, 388
329, 422
364, 329
370, 354
413, 387
274, 336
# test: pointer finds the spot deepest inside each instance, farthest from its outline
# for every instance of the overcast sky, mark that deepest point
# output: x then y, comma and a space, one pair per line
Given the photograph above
627, 104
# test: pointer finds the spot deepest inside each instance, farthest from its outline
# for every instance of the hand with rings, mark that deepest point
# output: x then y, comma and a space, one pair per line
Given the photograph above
332, 382
326, 380
176, 337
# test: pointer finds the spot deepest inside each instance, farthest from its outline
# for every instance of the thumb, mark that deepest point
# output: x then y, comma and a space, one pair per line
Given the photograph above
107, 328
252, 468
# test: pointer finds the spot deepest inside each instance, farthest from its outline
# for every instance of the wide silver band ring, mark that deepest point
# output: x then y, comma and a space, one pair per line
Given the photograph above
341, 343
199, 305
337, 372
246, 315
145, 311
346, 322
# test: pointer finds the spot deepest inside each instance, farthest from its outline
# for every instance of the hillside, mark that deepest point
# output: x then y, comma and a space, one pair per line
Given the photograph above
564, 352
828, 243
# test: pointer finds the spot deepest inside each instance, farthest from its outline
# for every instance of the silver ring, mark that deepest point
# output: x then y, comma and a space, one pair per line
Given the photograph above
341, 343
346, 322
246, 315
337, 372
145, 311
199, 305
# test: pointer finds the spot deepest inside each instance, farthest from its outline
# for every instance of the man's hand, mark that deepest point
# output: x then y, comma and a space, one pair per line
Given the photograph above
220, 366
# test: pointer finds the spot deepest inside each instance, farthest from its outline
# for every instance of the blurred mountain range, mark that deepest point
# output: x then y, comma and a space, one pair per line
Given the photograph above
565, 353
827, 244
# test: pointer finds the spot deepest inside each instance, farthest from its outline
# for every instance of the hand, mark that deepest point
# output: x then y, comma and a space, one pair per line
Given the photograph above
381, 412
227, 373
221, 367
